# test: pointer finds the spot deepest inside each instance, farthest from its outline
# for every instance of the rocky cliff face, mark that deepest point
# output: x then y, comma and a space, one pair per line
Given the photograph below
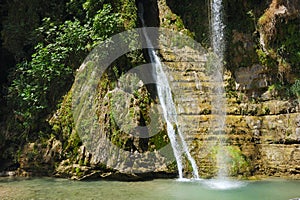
262, 122
263, 114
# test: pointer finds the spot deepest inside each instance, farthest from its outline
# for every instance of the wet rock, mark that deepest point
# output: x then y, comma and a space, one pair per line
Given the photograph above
248, 78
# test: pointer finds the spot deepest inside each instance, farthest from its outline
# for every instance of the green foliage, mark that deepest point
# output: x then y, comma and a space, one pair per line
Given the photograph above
238, 161
91, 7
295, 89
128, 13
265, 59
106, 23
20, 20
38, 84
159, 140
282, 47
78, 171
75, 8
191, 19
288, 42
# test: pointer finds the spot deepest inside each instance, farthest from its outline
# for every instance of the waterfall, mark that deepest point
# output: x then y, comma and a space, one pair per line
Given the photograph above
217, 29
218, 100
177, 141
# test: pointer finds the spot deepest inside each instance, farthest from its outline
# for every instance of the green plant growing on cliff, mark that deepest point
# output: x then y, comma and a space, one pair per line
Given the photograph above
288, 43
159, 140
20, 20
252, 16
275, 88
128, 13
279, 38
265, 59
62, 123
266, 110
38, 84
295, 89
238, 162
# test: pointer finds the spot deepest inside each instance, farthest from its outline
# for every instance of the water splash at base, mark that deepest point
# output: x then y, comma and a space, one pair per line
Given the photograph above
216, 184
224, 184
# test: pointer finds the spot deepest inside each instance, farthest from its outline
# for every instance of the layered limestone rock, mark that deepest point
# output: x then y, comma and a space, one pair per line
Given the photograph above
262, 126
262, 135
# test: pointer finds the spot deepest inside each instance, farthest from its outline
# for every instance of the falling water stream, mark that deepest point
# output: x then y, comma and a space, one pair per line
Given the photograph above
218, 100
168, 107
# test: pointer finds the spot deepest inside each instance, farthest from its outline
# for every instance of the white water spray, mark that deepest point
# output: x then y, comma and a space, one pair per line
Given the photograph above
218, 100
217, 29
168, 107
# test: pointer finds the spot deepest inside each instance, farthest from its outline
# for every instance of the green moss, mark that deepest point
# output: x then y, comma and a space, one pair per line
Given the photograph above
239, 164
78, 172
63, 128
189, 17
174, 21
159, 140
172, 167
81, 162
62, 123
234, 160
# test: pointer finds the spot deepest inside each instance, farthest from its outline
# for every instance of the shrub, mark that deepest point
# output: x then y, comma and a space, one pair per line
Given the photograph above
38, 84
295, 89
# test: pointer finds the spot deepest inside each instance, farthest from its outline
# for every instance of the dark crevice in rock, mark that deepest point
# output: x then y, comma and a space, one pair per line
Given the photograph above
151, 15
148, 9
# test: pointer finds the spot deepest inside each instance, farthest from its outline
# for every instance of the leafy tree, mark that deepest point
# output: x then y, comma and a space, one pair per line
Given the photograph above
21, 18
39, 83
